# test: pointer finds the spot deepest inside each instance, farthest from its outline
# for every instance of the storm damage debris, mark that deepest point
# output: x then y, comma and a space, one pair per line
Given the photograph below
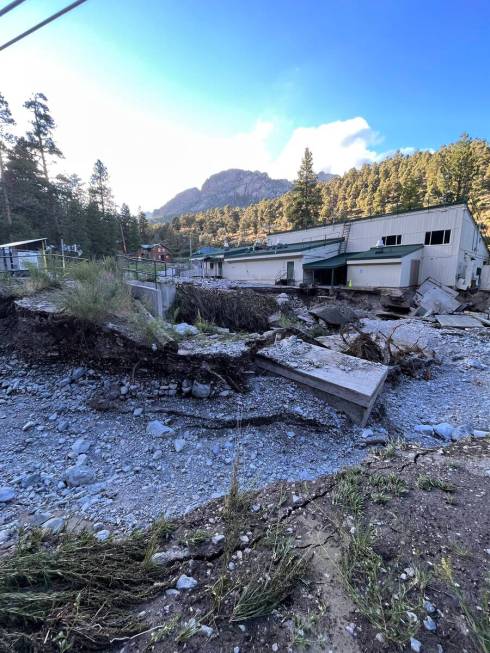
432, 297
345, 382
334, 314
237, 309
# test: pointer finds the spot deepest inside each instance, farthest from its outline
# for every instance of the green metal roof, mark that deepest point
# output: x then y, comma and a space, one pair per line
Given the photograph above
327, 263
289, 248
392, 251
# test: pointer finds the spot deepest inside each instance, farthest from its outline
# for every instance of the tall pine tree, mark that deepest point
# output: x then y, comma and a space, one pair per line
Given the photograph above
306, 199
6, 140
40, 138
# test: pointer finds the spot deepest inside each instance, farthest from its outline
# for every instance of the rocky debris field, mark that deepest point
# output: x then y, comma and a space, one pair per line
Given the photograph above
147, 452
81, 448
388, 556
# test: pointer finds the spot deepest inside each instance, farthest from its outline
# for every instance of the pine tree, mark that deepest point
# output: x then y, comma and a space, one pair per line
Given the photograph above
6, 140
143, 227
40, 138
306, 200
100, 190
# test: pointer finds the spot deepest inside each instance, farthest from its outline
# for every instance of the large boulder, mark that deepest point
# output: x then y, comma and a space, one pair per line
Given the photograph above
79, 475
334, 315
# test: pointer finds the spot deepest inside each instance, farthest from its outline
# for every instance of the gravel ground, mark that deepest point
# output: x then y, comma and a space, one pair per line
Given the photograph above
458, 392
278, 430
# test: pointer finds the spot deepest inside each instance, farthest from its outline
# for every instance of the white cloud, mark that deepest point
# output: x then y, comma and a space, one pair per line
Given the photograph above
151, 157
336, 147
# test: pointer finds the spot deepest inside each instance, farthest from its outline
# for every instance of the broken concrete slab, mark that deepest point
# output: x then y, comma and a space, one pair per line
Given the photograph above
458, 321
483, 317
433, 297
334, 315
345, 382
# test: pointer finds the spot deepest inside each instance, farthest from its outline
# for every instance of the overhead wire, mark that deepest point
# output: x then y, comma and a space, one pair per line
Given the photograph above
10, 6
58, 14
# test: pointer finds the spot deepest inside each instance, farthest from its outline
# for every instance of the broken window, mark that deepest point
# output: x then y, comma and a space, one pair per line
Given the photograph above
392, 240
440, 237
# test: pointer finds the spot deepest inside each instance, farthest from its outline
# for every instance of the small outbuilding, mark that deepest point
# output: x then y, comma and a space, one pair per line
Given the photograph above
17, 256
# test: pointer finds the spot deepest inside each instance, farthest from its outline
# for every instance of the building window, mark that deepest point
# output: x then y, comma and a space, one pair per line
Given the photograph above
392, 240
441, 237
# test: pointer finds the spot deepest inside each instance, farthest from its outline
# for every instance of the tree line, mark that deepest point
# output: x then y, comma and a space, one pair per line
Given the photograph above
34, 204
458, 172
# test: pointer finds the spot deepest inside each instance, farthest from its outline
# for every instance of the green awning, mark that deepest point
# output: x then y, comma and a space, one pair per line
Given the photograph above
327, 263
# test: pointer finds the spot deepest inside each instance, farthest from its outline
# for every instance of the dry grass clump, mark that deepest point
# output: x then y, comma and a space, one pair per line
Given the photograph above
74, 597
238, 310
98, 292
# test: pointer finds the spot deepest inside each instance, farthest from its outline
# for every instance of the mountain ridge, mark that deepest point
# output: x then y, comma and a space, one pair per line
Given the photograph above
232, 187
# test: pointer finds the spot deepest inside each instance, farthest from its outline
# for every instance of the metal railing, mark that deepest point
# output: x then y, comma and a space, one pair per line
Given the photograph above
150, 270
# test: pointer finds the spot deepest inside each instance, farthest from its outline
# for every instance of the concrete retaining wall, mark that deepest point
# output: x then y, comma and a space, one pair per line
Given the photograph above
158, 299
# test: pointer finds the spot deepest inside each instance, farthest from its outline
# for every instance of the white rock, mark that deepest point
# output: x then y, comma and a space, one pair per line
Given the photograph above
158, 429
424, 428
6, 494
79, 475
444, 430
186, 583
216, 539
430, 624
54, 525
481, 434
170, 555
201, 390
206, 630
80, 446
415, 645
102, 535
179, 444
184, 329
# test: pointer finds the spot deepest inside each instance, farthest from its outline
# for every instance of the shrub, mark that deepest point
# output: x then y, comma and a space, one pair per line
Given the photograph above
97, 293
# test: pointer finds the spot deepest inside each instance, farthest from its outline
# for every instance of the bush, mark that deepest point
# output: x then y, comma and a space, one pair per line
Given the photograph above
97, 294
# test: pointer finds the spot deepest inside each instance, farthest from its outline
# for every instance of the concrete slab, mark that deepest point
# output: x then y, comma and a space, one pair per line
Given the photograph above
345, 382
433, 297
458, 321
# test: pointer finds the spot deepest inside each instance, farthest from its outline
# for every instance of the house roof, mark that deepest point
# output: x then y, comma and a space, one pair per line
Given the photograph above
207, 251
290, 248
392, 251
19, 243
152, 245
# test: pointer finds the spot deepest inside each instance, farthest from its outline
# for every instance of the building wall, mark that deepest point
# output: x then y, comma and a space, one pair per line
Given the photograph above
265, 271
442, 262
374, 275
406, 268
269, 269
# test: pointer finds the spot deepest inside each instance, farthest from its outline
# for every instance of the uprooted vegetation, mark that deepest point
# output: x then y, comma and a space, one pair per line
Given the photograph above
315, 565
238, 310
410, 359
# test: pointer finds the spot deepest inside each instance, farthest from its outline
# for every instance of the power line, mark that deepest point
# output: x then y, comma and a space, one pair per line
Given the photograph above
42, 24
10, 6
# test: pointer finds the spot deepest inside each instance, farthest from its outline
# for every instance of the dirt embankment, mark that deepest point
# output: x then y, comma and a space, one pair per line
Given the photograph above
386, 557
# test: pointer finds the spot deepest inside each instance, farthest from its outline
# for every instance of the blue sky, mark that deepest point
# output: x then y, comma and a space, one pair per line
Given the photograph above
167, 92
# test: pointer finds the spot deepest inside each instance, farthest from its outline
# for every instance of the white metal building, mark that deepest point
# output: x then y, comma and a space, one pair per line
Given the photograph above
392, 251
